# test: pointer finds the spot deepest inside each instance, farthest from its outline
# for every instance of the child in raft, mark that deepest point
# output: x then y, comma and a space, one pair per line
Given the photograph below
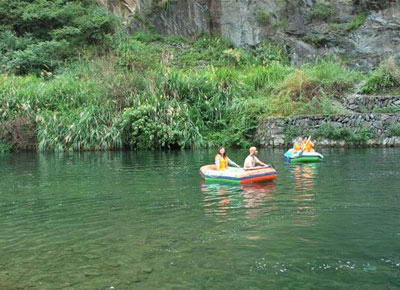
308, 145
303, 144
222, 161
298, 144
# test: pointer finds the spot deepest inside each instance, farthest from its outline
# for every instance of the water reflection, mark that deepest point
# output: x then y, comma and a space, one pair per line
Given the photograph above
304, 176
304, 185
258, 198
220, 199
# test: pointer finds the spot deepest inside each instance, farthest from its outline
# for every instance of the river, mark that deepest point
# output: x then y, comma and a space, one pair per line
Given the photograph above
145, 220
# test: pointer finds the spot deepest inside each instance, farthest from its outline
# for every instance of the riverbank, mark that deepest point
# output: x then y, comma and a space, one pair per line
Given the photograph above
147, 91
374, 121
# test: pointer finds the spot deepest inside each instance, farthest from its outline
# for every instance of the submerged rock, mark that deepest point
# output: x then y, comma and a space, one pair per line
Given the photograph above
147, 270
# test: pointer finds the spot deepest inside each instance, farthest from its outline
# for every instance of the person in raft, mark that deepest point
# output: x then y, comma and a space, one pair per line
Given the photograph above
222, 161
298, 144
308, 145
252, 160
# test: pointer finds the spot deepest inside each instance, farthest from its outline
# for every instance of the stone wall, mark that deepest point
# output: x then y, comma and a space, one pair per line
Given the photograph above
362, 103
271, 132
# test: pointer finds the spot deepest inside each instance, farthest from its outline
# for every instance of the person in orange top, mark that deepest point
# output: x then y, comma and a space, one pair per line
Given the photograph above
222, 161
309, 145
298, 144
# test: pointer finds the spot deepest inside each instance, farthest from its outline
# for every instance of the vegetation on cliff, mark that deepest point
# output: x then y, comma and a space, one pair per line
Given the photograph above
73, 80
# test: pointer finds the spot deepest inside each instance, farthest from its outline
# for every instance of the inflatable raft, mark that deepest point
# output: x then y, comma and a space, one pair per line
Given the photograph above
301, 156
238, 175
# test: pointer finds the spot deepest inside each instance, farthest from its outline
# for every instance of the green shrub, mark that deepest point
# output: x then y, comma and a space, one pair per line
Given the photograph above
263, 17
298, 86
358, 136
43, 56
89, 128
384, 79
318, 40
236, 56
267, 77
147, 37
292, 132
213, 42
96, 25
22, 94
39, 35
204, 91
175, 39
394, 130
321, 105
283, 23
206, 51
361, 135
330, 70
393, 109
322, 11
268, 52
136, 56
324, 78
5, 147
332, 132
10, 42
358, 21
161, 125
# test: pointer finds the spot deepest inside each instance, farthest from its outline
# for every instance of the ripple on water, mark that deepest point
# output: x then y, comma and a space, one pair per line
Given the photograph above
145, 220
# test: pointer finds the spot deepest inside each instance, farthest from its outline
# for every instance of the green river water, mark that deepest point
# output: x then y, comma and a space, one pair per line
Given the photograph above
145, 220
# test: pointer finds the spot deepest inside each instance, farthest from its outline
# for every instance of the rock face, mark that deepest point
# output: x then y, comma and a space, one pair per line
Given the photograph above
124, 8
362, 31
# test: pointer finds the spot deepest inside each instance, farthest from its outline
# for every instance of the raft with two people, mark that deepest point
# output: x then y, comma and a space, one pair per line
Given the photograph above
303, 151
250, 173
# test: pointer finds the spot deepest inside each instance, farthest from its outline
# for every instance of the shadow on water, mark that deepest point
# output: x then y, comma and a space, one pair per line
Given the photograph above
220, 199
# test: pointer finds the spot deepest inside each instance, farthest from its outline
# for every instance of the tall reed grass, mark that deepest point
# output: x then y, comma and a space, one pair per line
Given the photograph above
155, 92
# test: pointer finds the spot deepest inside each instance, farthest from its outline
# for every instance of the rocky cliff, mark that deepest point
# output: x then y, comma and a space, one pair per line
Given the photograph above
363, 32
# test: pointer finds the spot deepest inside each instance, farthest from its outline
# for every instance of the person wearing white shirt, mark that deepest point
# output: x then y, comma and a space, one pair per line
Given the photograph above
252, 160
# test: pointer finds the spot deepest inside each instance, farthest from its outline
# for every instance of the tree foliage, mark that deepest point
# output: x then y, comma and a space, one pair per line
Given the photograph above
39, 35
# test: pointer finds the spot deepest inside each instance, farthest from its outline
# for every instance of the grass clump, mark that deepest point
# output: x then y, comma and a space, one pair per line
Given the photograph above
385, 79
318, 40
268, 52
4, 148
263, 17
357, 136
393, 109
313, 89
322, 11
394, 131
90, 128
357, 22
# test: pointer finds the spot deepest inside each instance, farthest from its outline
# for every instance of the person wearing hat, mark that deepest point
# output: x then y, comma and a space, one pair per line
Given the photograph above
252, 160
